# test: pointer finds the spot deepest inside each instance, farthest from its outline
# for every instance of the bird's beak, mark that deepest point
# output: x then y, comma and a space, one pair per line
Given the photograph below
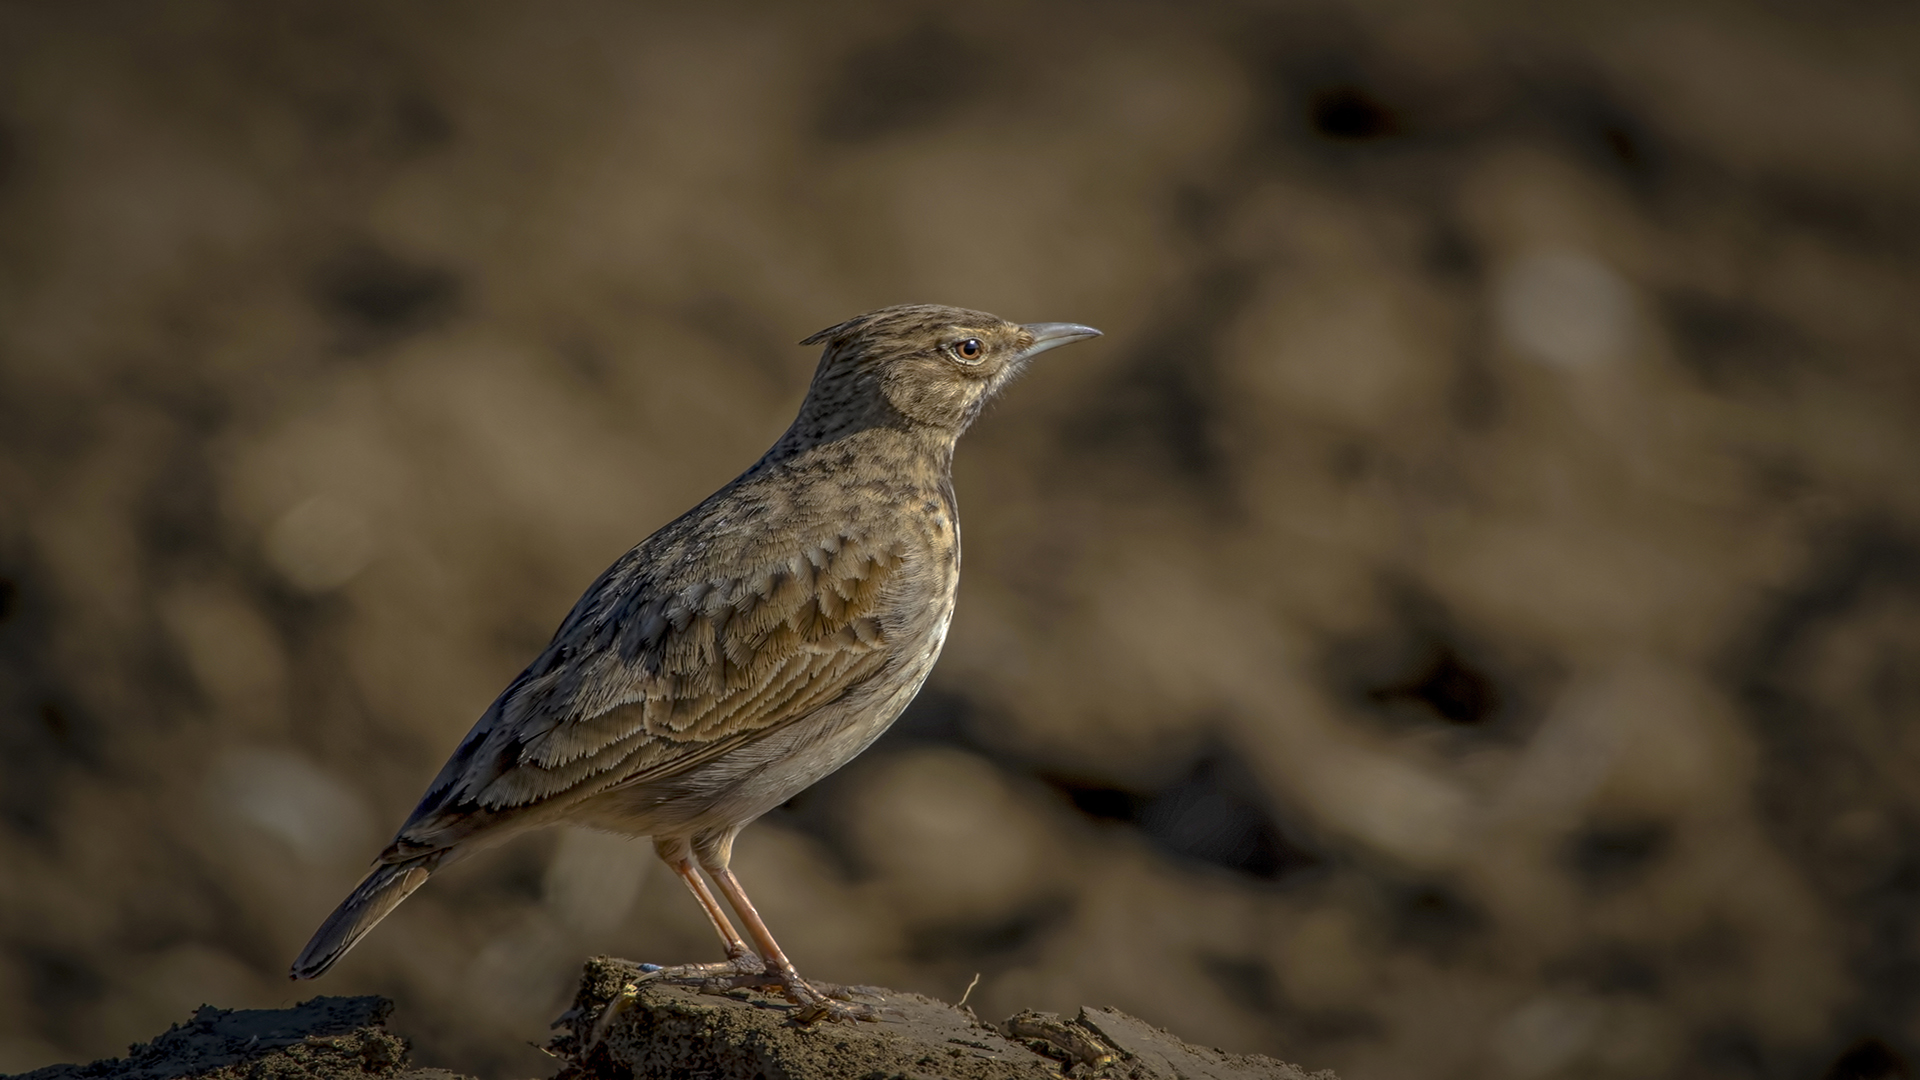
1052, 335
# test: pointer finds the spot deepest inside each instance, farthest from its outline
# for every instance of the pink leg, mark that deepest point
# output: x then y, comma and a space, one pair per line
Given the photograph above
679, 858
814, 1005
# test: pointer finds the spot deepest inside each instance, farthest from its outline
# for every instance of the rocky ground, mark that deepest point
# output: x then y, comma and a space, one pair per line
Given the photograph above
617, 1030
328, 1037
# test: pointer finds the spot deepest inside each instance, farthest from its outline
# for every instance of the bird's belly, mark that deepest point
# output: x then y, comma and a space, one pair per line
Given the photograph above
740, 786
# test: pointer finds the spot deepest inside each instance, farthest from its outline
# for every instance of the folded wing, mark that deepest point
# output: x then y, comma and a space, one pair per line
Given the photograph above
645, 681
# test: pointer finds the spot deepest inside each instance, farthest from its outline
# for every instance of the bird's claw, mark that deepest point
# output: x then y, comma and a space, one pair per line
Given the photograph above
739, 971
826, 1002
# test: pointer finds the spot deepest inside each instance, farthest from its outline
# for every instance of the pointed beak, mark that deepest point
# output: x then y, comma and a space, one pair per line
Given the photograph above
1052, 335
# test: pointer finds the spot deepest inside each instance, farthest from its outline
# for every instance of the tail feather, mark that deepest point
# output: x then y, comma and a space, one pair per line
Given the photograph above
377, 894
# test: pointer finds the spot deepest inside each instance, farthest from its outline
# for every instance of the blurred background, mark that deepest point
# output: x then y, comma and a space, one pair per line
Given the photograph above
1462, 619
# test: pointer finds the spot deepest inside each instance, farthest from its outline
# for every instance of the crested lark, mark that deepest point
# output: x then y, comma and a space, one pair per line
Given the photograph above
745, 650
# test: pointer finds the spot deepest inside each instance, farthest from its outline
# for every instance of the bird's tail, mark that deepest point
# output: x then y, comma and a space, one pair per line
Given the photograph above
377, 894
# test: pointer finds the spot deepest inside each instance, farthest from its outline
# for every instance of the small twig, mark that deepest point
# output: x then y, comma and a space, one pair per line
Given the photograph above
608, 1014
962, 1003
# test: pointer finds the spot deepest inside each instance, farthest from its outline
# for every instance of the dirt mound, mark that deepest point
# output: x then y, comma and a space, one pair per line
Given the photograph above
326, 1038
618, 1030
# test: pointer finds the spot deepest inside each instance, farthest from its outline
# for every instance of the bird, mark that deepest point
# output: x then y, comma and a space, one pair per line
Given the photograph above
743, 651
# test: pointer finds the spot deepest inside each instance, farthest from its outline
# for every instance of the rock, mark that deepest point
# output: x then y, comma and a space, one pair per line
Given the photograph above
671, 1031
619, 1029
326, 1038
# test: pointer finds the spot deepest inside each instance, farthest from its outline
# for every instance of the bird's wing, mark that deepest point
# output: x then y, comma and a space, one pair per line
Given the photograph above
643, 683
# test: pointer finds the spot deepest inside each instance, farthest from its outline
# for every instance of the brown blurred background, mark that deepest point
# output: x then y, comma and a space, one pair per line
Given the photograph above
1462, 621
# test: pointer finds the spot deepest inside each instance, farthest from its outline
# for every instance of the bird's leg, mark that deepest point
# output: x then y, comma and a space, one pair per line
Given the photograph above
814, 1005
741, 966
729, 937
740, 961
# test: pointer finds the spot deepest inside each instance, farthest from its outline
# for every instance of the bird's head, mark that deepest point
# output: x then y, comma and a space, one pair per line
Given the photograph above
923, 365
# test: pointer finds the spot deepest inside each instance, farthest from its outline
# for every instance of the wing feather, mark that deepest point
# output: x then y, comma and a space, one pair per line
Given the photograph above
644, 682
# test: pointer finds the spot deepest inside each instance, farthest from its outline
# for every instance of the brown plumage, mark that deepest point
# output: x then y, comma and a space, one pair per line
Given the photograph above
745, 650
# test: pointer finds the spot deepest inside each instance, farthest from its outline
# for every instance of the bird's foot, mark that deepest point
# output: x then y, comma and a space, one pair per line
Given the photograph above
823, 1002
743, 970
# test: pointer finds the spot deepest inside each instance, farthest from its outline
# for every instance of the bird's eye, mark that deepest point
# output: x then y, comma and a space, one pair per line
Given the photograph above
968, 349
